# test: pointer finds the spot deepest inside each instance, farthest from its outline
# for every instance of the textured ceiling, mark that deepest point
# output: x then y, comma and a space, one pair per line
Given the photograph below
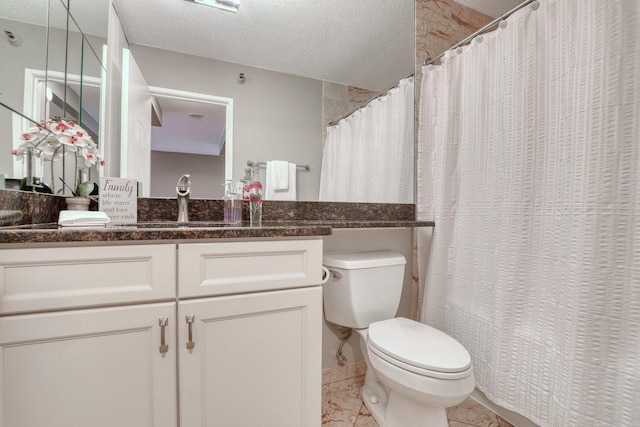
365, 43
493, 8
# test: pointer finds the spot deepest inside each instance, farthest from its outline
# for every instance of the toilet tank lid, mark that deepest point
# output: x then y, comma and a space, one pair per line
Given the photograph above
356, 260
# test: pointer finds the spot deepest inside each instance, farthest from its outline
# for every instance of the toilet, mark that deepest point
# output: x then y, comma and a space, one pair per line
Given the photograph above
414, 371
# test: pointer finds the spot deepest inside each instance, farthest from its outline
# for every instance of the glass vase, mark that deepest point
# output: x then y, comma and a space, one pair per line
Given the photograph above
255, 213
253, 192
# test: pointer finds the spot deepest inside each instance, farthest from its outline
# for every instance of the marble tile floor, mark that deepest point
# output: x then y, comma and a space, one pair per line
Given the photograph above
342, 407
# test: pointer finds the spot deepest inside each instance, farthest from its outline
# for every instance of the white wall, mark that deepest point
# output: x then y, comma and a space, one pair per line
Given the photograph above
207, 174
355, 240
276, 116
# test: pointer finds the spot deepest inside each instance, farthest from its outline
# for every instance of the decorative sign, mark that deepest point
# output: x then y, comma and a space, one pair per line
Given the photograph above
119, 199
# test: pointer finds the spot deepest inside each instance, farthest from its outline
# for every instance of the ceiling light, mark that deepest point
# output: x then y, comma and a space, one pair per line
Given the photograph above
228, 5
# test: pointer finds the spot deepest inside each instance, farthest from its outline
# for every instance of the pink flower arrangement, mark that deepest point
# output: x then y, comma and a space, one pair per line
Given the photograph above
254, 190
50, 136
254, 195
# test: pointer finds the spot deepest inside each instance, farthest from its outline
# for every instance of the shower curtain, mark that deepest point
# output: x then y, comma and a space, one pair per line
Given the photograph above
368, 157
529, 163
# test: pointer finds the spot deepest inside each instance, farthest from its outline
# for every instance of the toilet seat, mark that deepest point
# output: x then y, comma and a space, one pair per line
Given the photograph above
419, 348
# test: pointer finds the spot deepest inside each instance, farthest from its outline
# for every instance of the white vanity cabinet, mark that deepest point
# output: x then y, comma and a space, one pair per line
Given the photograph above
73, 366
223, 334
97, 367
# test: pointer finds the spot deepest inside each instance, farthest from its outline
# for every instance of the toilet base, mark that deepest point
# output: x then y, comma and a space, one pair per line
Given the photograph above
376, 409
403, 412
399, 411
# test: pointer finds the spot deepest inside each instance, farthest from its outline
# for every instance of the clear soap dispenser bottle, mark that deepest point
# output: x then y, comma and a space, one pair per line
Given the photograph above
232, 204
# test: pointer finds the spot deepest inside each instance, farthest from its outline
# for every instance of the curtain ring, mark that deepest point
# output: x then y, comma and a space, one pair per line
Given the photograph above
534, 5
502, 24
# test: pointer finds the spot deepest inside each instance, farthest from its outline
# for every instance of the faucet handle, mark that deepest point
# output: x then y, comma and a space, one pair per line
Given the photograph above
183, 188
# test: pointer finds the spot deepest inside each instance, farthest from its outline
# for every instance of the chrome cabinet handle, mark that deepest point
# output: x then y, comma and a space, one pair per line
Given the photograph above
163, 324
190, 343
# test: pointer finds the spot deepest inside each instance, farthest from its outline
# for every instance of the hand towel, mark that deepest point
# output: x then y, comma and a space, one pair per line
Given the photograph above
82, 219
289, 194
278, 175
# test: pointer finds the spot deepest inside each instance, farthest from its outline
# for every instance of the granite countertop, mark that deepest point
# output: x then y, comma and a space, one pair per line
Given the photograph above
10, 217
168, 230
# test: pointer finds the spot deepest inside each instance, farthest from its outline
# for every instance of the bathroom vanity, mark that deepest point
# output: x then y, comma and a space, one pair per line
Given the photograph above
222, 332
164, 324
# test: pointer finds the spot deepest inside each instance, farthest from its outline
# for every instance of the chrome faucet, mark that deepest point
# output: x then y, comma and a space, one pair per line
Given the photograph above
183, 188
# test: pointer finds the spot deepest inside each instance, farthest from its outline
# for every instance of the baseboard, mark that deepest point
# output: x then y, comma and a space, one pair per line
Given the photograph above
513, 417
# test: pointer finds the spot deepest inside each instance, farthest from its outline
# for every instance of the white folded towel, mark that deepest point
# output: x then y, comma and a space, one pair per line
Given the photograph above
82, 219
290, 194
278, 175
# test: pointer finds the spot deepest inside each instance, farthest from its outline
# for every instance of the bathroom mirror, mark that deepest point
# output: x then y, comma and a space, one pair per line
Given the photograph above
290, 67
54, 70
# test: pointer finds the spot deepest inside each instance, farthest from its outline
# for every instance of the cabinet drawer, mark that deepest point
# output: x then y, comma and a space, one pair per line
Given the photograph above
56, 278
238, 267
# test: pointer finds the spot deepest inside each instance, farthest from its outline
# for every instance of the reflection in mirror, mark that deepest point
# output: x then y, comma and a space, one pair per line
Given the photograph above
29, 52
188, 137
31, 150
343, 54
62, 83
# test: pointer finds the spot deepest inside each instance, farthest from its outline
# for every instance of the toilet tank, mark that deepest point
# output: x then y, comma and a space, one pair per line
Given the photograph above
364, 287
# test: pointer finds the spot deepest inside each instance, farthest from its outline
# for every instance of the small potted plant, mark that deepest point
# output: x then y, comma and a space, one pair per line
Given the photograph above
80, 200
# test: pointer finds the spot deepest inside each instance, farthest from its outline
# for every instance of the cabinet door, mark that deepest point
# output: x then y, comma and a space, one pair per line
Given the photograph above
255, 360
100, 367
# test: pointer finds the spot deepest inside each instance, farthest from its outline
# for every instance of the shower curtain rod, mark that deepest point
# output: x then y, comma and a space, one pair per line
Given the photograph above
384, 92
482, 30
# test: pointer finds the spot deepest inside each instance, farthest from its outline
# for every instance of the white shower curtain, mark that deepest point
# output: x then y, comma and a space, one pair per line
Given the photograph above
529, 163
368, 157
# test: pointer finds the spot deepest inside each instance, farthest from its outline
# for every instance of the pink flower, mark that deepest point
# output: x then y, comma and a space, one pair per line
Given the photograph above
71, 142
57, 127
254, 184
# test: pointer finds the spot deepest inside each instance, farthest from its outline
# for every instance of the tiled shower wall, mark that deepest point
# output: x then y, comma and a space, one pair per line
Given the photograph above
338, 100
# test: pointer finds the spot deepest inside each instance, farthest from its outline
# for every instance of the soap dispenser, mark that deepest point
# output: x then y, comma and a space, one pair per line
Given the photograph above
232, 204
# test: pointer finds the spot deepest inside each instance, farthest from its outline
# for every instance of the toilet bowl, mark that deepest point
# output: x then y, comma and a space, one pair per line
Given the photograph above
414, 371
416, 380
